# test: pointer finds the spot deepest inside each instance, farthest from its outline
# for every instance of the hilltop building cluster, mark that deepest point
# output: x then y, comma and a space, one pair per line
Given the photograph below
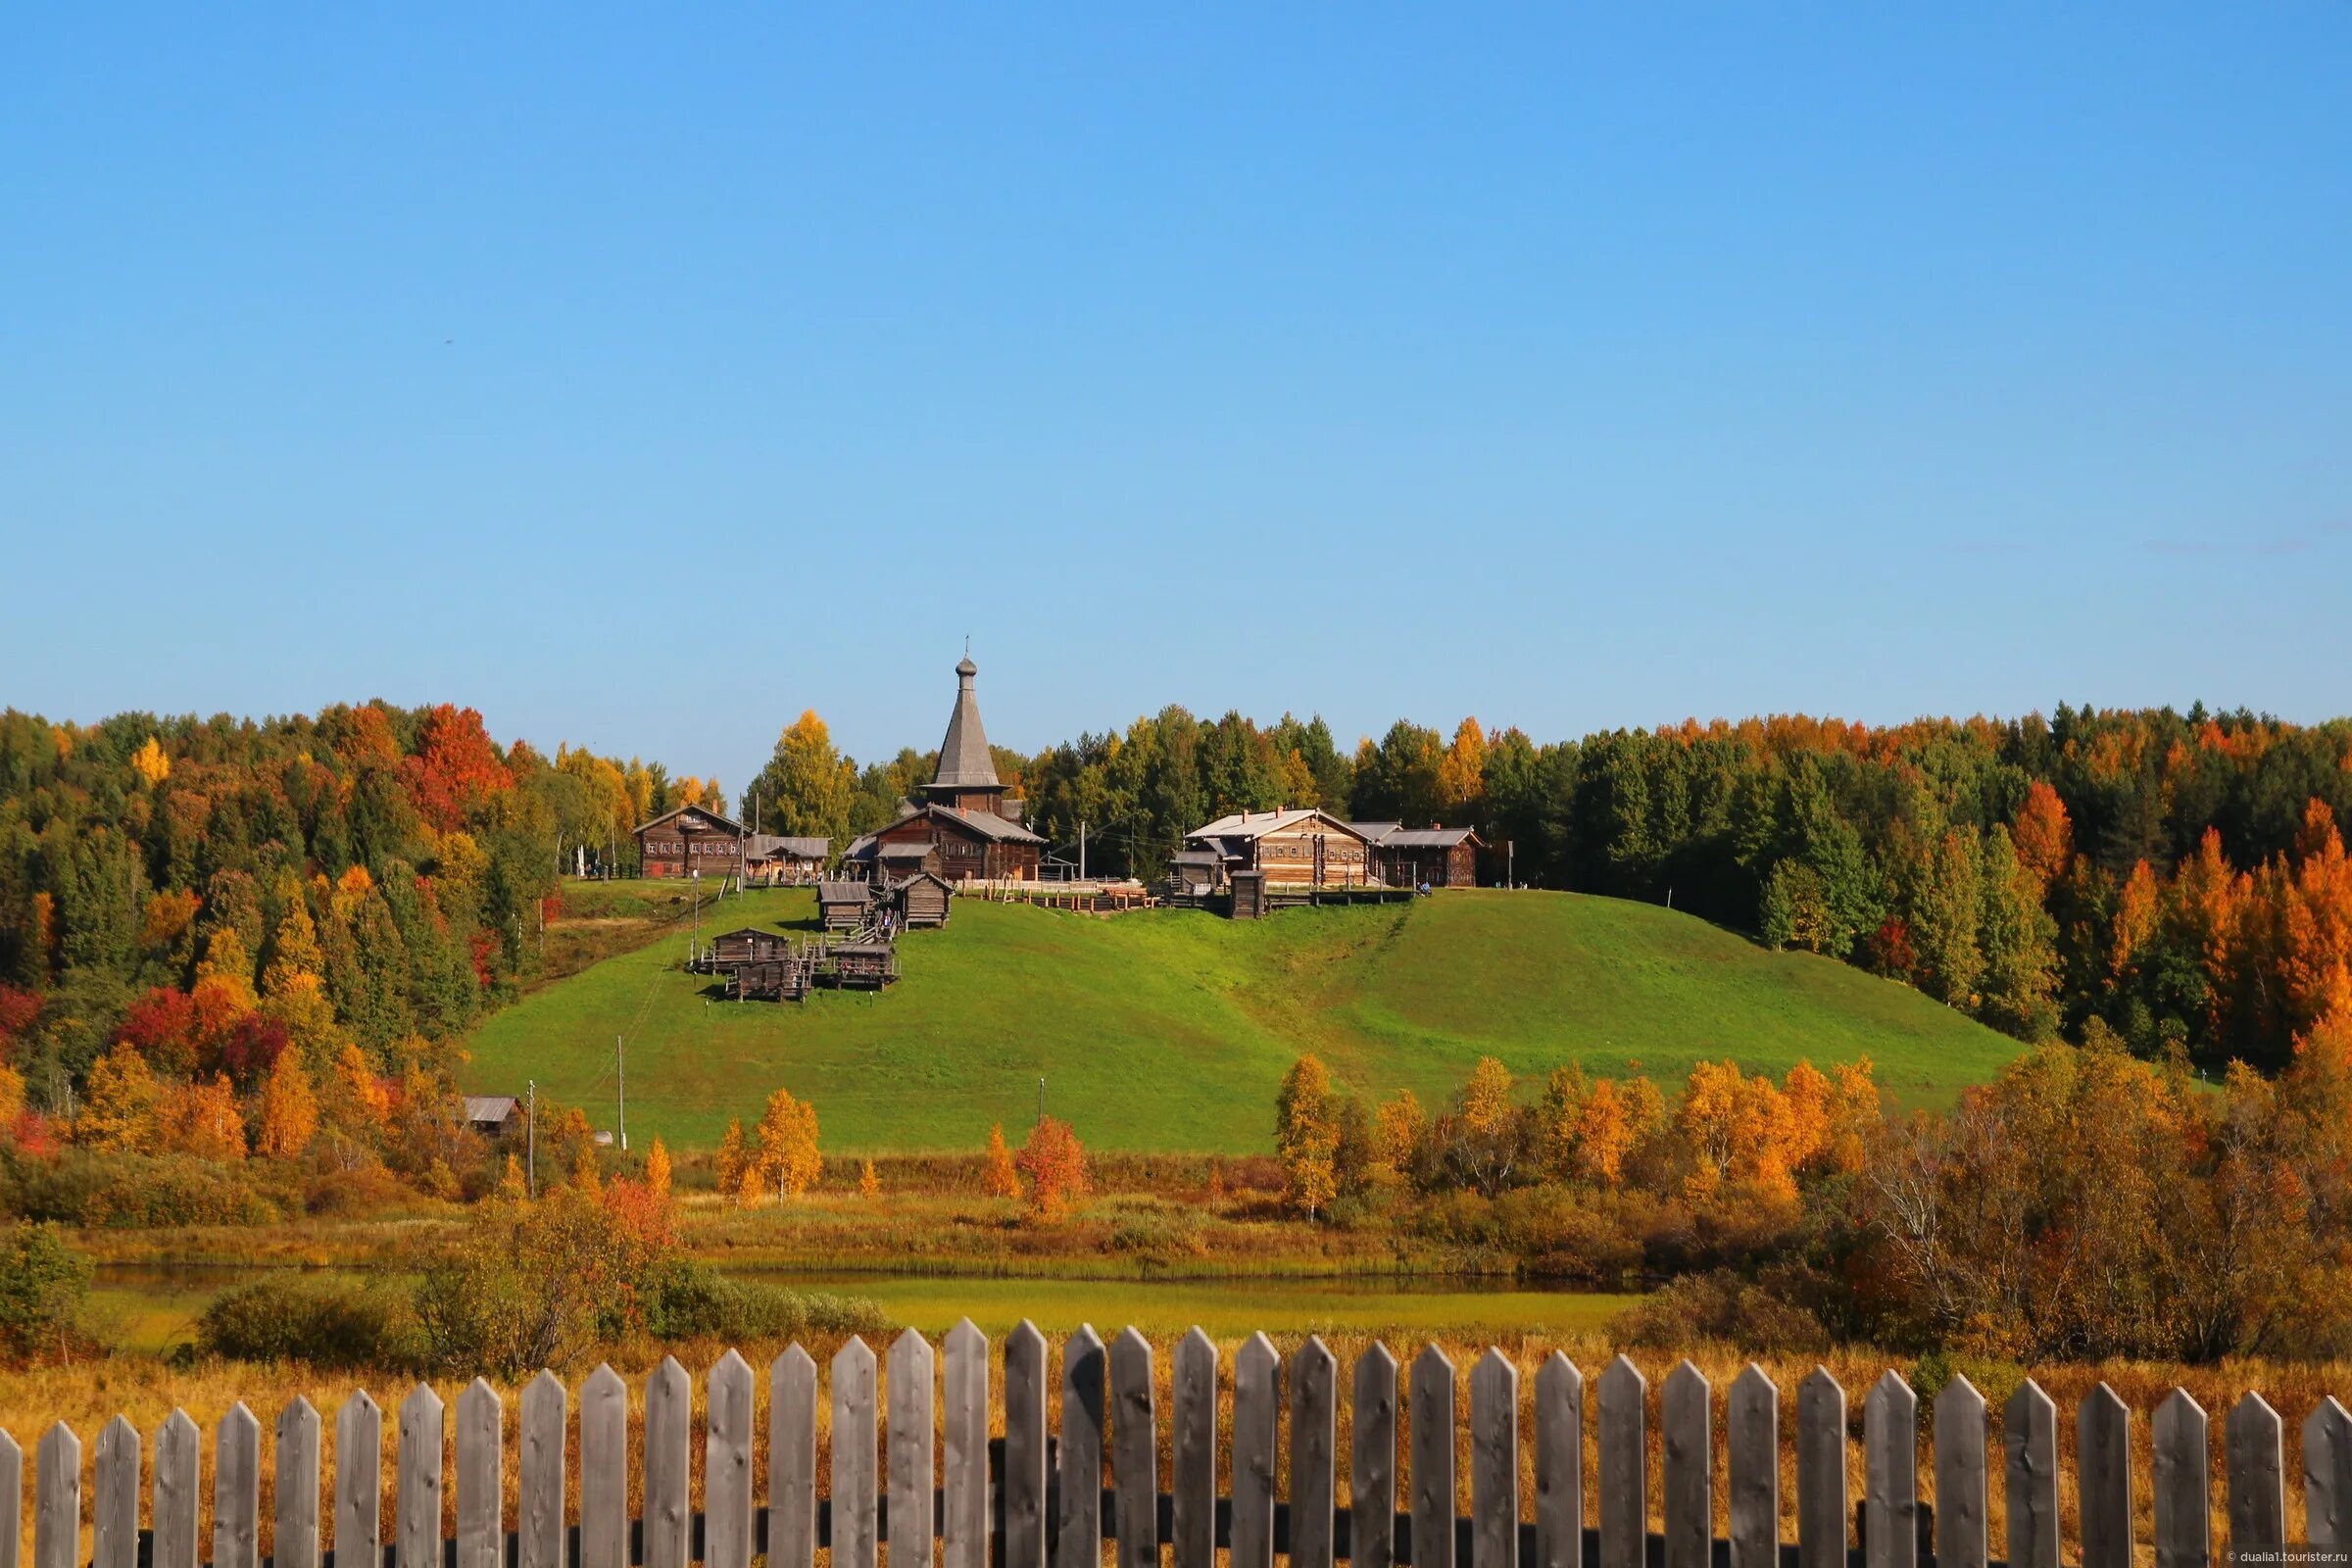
970, 827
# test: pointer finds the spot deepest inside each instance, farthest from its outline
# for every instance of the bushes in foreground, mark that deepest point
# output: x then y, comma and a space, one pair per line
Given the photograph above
323, 1321
44, 1286
349, 1324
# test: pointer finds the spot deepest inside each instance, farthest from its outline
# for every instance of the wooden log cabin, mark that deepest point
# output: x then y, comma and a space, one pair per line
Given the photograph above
864, 965
1431, 857
923, 902
1302, 846
844, 905
750, 945
690, 841
967, 825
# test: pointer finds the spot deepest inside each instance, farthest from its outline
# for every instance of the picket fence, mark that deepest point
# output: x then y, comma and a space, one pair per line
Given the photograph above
1044, 1505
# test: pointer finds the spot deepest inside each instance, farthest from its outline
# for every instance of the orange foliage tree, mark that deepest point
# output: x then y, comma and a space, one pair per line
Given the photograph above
1002, 1177
1054, 1163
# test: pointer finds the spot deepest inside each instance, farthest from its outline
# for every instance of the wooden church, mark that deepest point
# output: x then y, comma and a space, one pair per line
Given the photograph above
967, 826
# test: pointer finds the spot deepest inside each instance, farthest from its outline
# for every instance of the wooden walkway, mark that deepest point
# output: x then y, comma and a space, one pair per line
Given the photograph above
1013, 1494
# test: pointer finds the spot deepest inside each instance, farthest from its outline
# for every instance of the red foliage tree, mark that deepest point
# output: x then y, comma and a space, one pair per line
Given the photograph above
456, 769
162, 1026
252, 1047
17, 1010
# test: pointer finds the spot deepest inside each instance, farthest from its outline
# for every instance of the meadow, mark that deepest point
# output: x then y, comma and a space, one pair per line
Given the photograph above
1169, 1030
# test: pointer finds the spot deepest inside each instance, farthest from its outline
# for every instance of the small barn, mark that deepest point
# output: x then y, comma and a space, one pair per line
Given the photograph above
844, 905
493, 1115
1428, 856
923, 901
865, 966
750, 945
1195, 874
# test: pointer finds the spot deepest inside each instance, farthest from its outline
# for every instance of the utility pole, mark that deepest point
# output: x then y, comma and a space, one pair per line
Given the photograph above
530, 1138
621, 1073
1510, 862
1081, 857
1041, 1099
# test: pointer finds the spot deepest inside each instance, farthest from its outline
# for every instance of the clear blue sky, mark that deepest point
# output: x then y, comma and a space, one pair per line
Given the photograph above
643, 375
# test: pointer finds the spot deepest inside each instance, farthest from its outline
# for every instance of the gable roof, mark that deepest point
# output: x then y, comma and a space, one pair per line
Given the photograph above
490, 1108
987, 824
912, 877
763, 844
965, 762
1430, 838
728, 823
1243, 826
1376, 832
844, 892
901, 850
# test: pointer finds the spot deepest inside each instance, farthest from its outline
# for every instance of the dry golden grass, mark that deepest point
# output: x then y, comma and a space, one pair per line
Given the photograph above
87, 1394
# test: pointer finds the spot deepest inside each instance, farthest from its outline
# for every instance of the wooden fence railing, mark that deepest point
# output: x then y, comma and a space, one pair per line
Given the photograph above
1044, 1505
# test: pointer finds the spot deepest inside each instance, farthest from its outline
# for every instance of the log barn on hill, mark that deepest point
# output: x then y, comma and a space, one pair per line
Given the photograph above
750, 945
968, 825
923, 902
1436, 857
844, 905
689, 840
1304, 846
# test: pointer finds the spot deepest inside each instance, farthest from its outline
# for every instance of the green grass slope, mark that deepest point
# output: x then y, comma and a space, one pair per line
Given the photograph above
1169, 1030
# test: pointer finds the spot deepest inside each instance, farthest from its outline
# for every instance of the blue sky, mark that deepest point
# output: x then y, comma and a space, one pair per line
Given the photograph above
643, 376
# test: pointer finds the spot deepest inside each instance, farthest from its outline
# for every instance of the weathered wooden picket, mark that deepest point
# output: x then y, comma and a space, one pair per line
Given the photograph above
1044, 1505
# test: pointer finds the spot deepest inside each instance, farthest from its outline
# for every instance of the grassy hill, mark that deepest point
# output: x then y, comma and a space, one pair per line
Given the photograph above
1169, 1030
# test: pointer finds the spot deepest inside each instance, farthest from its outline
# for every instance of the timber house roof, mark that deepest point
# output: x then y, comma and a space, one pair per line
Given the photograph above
704, 812
1243, 826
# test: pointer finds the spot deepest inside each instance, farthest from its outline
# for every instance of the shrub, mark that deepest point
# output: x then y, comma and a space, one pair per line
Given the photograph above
138, 1192
355, 1194
43, 1287
1566, 1232
1723, 1308
1995, 1378
528, 1286
1155, 1237
687, 1301
323, 1321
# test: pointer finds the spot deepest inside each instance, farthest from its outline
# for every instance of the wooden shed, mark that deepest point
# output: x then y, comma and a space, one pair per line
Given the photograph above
1195, 874
750, 945
1428, 856
865, 966
923, 901
1248, 895
492, 1115
843, 905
